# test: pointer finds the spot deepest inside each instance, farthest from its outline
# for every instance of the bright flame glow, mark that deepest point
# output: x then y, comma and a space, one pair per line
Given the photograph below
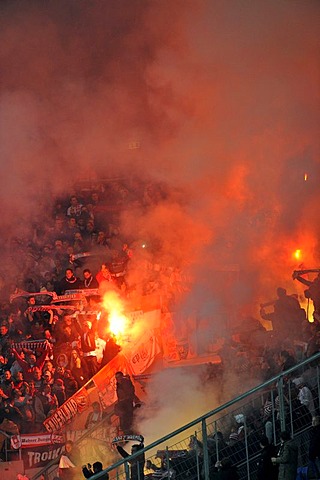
118, 322
305, 177
297, 254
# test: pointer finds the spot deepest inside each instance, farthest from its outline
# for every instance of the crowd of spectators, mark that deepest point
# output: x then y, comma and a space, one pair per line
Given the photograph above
51, 346
49, 349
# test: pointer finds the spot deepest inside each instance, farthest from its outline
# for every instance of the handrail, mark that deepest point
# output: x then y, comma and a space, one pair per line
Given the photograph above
86, 434
207, 415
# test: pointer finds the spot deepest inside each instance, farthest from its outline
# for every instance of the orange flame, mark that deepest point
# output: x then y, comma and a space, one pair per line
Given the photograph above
118, 322
297, 254
305, 177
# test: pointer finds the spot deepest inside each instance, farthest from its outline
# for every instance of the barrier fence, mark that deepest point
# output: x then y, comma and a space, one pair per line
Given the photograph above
231, 430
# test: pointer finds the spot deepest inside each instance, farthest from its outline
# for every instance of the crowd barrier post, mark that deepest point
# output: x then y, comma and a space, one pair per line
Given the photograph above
216, 438
281, 404
273, 419
246, 446
205, 449
290, 407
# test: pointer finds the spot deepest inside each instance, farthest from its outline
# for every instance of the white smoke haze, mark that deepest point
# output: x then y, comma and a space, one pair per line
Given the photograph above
224, 101
175, 397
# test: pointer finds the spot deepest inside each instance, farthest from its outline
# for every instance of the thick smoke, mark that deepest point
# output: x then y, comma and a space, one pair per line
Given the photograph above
223, 99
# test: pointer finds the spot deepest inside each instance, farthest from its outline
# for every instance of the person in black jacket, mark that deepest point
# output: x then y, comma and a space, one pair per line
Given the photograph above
137, 463
125, 405
97, 467
266, 469
224, 470
314, 442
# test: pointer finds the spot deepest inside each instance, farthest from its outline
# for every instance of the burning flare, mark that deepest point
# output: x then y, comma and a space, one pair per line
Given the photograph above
297, 254
118, 322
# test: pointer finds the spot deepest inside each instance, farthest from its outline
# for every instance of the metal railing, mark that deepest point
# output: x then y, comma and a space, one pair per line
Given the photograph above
231, 430
94, 441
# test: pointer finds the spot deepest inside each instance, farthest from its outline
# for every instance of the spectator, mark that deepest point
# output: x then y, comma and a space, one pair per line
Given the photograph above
39, 411
70, 383
5, 340
78, 368
125, 405
313, 291
287, 457
96, 468
69, 282
224, 470
137, 463
24, 404
69, 462
88, 347
75, 208
10, 416
37, 379
28, 367
306, 399
88, 279
287, 360
314, 442
18, 381
58, 389
266, 469
104, 277
47, 378
7, 384
94, 417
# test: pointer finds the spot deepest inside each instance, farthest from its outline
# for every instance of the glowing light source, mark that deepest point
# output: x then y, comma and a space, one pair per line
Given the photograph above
305, 177
118, 322
297, 254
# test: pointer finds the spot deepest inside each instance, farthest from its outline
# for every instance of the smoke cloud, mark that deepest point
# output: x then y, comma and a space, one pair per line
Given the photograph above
223, 99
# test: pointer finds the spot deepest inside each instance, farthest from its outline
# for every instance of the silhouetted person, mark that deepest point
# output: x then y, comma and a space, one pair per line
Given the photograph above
287, 314
125, 405
314, 442
266, 469
287, 458
313, 292
136, 464
97, 467
224, 470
